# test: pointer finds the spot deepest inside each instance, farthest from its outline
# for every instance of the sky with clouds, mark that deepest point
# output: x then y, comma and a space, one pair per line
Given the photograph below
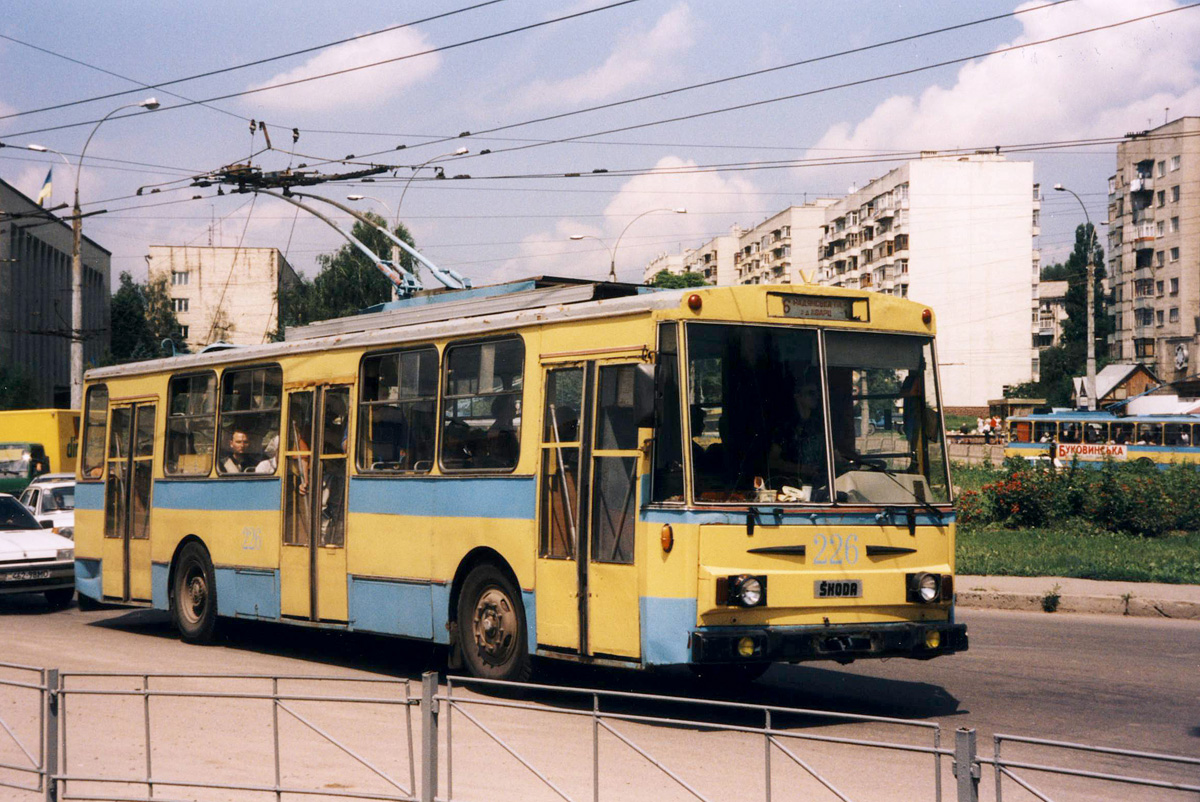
516, 212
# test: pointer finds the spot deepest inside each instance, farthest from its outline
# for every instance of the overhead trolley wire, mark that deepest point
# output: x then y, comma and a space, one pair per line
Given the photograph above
346, 70
223, 70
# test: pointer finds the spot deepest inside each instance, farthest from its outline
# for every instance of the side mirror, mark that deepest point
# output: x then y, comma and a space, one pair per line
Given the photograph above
643, 395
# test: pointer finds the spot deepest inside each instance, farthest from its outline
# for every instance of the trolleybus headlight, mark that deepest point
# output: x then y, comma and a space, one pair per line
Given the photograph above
748, 591
924, 588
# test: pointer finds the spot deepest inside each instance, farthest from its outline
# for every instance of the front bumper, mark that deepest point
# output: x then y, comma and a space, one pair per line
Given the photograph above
36, 577
840, 643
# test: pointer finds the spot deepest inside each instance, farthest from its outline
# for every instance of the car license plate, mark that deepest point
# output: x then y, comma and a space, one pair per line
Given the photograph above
837, 589
21, 576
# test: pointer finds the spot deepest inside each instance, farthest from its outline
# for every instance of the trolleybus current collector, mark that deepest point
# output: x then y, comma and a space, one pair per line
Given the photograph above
589, 471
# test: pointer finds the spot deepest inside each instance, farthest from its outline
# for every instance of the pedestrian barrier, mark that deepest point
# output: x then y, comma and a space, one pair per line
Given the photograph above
22, 710
696, 748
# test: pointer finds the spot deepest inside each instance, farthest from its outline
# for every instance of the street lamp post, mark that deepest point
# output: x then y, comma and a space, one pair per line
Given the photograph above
423, 165
77, 264
612, 252
1091, 311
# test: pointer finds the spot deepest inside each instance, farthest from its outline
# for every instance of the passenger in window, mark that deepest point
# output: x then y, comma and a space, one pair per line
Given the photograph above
272, 457
241, 459
501, 442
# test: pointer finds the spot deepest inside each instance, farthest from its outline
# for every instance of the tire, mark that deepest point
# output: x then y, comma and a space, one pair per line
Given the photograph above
59, 598
492, 632
194, 595
729, 675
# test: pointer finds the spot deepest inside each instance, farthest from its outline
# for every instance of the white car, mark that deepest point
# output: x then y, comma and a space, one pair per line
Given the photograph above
51, 498
33, 559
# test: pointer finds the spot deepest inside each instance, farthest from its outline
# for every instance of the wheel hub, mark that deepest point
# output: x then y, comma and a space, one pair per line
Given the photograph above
494, 625
197, 594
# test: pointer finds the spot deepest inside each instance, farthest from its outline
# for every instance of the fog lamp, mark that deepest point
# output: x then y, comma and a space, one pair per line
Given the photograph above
746, 647
933, 639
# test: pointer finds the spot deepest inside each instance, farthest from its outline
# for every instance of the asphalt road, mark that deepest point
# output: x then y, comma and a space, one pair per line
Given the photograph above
1108, 681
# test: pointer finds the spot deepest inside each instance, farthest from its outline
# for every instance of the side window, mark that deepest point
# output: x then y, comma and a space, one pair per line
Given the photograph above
94, 421
668, 438
191, 425
481, 412
397, 412
250, 404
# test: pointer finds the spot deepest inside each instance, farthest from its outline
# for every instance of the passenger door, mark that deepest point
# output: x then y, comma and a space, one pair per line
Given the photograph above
128, 486
586, 573
313, 553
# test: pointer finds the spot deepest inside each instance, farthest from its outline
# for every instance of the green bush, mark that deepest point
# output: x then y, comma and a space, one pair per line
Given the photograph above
1128, 498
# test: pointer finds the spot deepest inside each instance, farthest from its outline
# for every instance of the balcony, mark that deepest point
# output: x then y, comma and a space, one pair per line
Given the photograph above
1143, 183
1143, 235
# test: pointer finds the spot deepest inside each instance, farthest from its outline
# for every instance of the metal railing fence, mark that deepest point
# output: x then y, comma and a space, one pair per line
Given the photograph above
34, 685
1006, 767
773, 739
611, 714
280, 701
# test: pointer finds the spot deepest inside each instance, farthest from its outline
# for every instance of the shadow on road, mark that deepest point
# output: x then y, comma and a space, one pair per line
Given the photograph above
808, 687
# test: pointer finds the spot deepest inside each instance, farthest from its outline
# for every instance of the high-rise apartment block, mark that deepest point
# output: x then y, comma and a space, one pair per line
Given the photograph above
783, 248
1154, 249
224, 294
955, 233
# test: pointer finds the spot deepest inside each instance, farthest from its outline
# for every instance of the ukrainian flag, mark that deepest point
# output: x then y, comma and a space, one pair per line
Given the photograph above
44, 195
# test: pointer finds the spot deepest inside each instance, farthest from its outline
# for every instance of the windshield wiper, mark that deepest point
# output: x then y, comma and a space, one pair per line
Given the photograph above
923, 503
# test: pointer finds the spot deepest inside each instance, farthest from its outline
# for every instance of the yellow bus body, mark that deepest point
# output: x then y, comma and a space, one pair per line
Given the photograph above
410, 538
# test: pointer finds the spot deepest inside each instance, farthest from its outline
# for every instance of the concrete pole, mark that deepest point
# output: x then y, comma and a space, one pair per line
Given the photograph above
1091, 325
77, 304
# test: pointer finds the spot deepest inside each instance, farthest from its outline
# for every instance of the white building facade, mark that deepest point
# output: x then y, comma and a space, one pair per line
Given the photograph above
782, 249
224, 294
955, 233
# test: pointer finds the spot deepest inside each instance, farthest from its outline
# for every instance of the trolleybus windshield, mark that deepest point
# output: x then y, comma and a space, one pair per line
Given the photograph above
759, 431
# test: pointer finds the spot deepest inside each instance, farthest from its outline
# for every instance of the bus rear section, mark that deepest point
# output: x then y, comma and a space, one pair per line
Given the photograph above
809, 492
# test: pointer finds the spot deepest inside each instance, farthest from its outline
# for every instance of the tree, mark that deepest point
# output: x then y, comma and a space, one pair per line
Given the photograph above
665, 279
1062, 362
16, 388
347, 282
141, 318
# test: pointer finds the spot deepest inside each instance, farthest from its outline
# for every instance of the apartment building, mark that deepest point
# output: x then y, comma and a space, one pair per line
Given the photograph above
35, 296
1052, 313
956, 233
671, 262
1154, 249
783, 248
224, 294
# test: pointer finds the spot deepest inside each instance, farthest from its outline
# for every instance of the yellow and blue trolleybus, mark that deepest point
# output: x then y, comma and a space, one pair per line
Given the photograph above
588, 471
1065, 435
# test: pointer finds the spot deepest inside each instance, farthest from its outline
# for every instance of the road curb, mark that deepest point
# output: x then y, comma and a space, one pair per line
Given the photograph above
1068, 603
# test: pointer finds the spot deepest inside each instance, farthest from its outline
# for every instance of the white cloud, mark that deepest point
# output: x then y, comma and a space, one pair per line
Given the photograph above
637, 58
1100, 83
711, 201
373, 86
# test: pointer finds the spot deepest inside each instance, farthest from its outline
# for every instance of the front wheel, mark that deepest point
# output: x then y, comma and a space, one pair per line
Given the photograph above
194, 595
491, 626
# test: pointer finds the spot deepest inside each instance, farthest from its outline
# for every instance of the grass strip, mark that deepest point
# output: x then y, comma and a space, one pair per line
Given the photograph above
1078, 549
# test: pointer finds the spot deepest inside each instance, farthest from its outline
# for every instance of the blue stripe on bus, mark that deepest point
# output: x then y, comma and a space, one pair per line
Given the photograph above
231, 495
89, 496
468, 497
160, 574
390, 606
248, 592
87, 578
667, 626
825, 517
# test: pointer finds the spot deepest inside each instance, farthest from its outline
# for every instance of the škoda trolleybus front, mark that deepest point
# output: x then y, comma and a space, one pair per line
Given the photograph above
811, 482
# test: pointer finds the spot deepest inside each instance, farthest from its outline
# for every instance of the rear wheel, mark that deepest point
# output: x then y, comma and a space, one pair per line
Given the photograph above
491, 626
60, 598
194, 595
